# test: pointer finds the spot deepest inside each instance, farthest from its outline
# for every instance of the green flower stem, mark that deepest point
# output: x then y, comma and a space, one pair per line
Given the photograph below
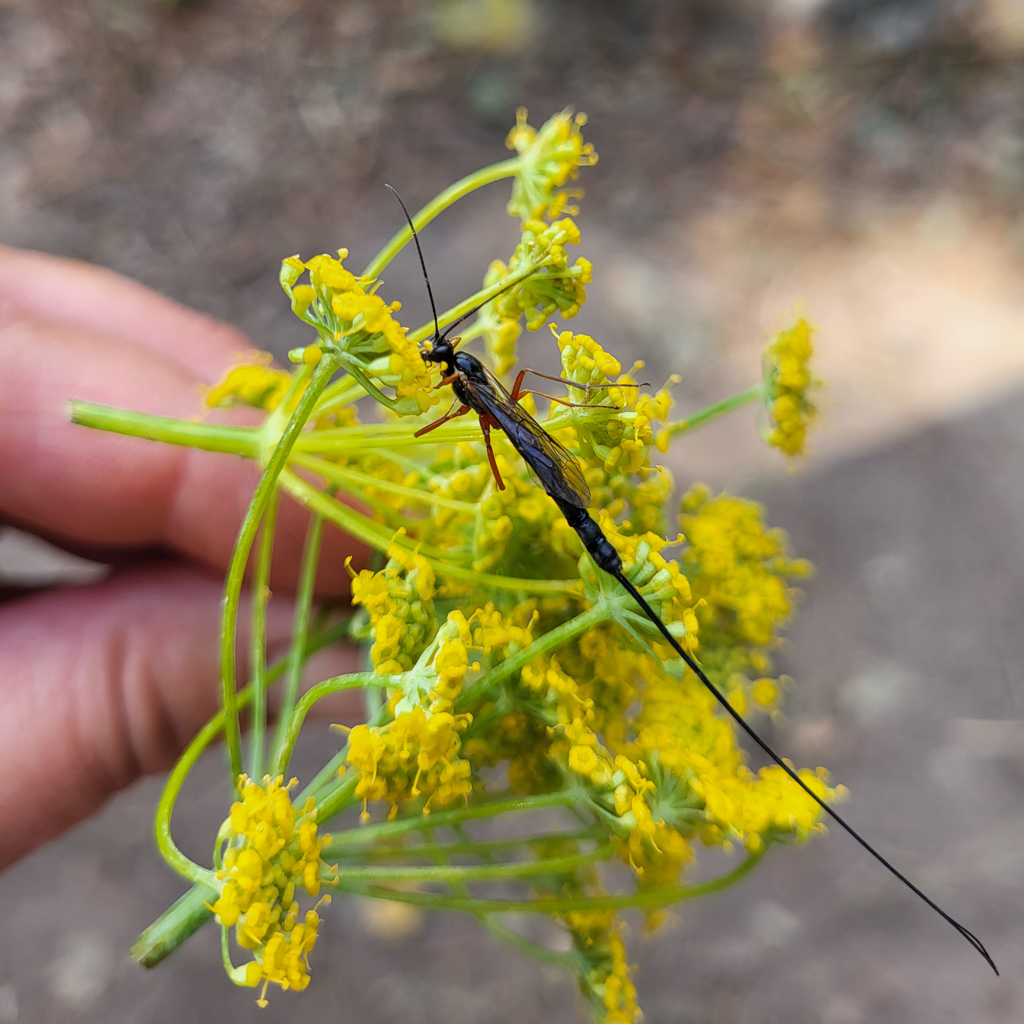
440, 203
333, 793
352, 478
353, 681
364, 529
355, 440
364, 381
246, 535
409, 465
471, 872
211, 437
162, 825
258, 648
650, 898
328, 778
340, 393
571, 959
417, 822
463, 847
300, 637
176, 924
549, 641
343, 516
712, 412
476, 299
336, 800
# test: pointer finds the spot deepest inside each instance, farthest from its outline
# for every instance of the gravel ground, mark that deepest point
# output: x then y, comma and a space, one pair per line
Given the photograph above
863, 158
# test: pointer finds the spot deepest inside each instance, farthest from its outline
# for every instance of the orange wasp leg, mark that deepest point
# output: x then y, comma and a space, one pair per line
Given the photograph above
516, 393
562, 401
449, 415
485, 425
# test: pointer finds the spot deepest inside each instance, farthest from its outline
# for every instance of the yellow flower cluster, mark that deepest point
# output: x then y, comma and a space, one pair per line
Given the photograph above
518, 519
348, 314
556, 287
254, 383
400, 602
273, 849
547, 160
740, 572
702, 786
618, 439
606, 980
414, 756
789, 380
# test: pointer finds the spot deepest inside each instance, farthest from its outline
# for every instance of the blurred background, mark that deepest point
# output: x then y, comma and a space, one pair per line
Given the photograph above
858, 160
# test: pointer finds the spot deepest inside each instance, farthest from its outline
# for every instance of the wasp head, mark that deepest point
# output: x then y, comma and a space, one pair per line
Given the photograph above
442, 351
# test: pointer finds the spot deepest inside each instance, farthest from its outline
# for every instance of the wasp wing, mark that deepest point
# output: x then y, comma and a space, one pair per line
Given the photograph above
557, 469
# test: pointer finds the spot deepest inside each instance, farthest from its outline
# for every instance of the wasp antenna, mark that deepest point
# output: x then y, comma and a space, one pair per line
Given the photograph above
476, 309
416, 239
741, 722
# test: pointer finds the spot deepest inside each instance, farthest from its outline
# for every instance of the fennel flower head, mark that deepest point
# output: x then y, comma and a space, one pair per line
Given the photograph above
507, 676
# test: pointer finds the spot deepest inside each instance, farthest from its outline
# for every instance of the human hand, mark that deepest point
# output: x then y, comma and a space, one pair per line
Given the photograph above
100, 684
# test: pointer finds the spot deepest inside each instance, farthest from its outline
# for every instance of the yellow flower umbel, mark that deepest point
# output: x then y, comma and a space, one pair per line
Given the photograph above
605, 979
741, 574
788, 381
254, 383
349, 316
548, 159
556, 287
272, 850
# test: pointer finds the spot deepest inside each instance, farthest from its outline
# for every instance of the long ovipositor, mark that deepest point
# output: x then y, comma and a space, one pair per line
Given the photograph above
560, 474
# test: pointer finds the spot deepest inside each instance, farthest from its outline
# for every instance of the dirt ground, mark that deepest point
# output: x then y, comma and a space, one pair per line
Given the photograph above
861, 158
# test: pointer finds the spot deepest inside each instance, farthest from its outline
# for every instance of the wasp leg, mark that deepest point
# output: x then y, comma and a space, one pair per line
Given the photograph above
485, 425
449, 415
564, 380
562, 401
446, 380
455, 342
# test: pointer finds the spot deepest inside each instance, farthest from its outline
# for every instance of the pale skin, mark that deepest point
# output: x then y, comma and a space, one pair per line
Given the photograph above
103, 683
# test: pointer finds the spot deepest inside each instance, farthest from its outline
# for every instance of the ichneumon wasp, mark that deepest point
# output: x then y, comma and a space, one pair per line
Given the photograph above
559, 472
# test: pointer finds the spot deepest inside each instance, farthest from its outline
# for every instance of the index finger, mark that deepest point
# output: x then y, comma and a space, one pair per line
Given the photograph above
78, 294
106, 490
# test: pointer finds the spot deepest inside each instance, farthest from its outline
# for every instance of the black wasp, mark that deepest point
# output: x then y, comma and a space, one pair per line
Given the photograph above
560, 474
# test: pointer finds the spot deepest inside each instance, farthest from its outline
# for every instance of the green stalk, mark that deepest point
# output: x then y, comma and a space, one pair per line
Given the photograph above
370, 533
440, 203
649, 898
211, 437
353, 681
471, 872
464, 847
570, 960
712, 412
258, 648
415, 823
476, 299
300, 636
165, 807
246, 535
334, 473
336, 800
